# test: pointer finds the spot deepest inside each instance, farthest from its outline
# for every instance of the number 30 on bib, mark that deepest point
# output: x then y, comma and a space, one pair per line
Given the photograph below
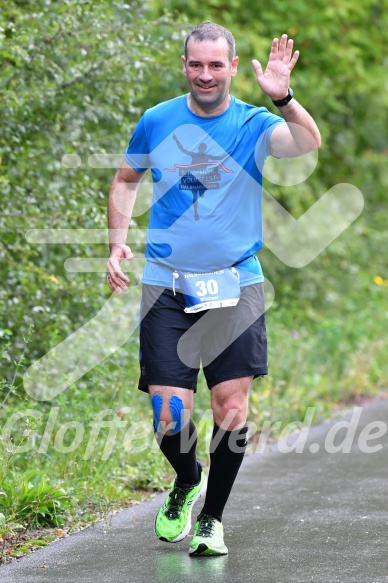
209, 287
206, 291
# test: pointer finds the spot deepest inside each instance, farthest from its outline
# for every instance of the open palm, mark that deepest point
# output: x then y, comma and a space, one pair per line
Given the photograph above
275, 81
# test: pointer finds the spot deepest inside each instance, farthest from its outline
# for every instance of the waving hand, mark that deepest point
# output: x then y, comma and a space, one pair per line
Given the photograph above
276, 78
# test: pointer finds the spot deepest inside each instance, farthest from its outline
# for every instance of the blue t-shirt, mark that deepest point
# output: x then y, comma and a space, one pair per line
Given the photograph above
207, 180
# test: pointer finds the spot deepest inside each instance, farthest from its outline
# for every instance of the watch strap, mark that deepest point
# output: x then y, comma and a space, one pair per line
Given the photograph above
287, 99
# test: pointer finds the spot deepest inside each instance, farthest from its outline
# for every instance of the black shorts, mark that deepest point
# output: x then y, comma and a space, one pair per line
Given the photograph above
228, 343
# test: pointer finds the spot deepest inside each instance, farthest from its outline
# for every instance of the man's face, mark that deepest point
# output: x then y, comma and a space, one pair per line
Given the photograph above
209, 74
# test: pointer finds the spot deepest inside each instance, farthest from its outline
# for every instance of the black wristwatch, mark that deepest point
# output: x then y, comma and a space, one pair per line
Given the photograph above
283, 102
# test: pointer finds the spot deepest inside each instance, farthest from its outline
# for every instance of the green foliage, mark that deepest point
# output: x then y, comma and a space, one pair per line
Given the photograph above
9, 387
73, 76
31, 498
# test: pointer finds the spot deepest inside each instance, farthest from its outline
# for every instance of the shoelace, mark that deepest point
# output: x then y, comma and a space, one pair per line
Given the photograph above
177, 499
206, 525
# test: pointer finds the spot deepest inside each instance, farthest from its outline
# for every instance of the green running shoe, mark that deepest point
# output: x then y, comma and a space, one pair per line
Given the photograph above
208, 539
173, 521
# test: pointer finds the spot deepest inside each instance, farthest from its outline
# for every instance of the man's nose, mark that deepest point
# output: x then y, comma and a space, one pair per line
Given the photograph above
206, 75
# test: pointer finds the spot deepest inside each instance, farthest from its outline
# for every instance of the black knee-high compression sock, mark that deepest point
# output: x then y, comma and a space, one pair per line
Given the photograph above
227, 451
179, 449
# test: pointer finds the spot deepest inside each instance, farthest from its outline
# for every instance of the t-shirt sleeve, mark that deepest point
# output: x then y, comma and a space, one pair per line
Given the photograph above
261, 133
137, 154
270, 123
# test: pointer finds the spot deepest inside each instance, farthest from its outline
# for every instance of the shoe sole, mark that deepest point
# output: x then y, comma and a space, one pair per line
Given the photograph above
187, 528
204, 551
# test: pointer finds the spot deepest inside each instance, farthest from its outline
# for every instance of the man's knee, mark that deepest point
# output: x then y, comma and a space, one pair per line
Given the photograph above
230, 403
170, 414
230, 413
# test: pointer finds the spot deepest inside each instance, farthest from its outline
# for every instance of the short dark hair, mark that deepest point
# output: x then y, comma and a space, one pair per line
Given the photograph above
211, 31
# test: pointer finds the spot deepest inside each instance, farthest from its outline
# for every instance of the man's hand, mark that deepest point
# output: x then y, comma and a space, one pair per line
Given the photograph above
275, 81
115, 277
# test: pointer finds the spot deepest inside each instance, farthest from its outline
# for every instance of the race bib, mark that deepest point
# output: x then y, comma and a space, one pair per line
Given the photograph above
206, 291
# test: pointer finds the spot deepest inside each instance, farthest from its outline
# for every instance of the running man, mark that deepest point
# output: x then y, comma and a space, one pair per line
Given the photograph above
230, 341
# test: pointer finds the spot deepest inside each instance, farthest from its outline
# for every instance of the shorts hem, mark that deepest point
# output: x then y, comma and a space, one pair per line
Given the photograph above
257, 372
144, 387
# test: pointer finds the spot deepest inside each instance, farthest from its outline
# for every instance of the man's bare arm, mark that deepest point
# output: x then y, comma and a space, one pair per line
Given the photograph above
300, 134
121, 200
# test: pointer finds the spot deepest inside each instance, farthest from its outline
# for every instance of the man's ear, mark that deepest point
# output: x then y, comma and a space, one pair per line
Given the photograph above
234, 66
184, 64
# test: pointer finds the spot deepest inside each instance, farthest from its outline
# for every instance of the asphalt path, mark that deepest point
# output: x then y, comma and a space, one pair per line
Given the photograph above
318, 513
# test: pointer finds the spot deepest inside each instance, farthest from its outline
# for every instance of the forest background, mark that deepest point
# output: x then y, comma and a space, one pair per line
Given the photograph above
75, 76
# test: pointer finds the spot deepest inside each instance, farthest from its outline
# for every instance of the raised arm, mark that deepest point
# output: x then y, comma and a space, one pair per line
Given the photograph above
300, 135
180, 146
121, 200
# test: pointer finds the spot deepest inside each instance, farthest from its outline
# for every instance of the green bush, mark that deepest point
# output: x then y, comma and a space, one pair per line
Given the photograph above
30, 498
